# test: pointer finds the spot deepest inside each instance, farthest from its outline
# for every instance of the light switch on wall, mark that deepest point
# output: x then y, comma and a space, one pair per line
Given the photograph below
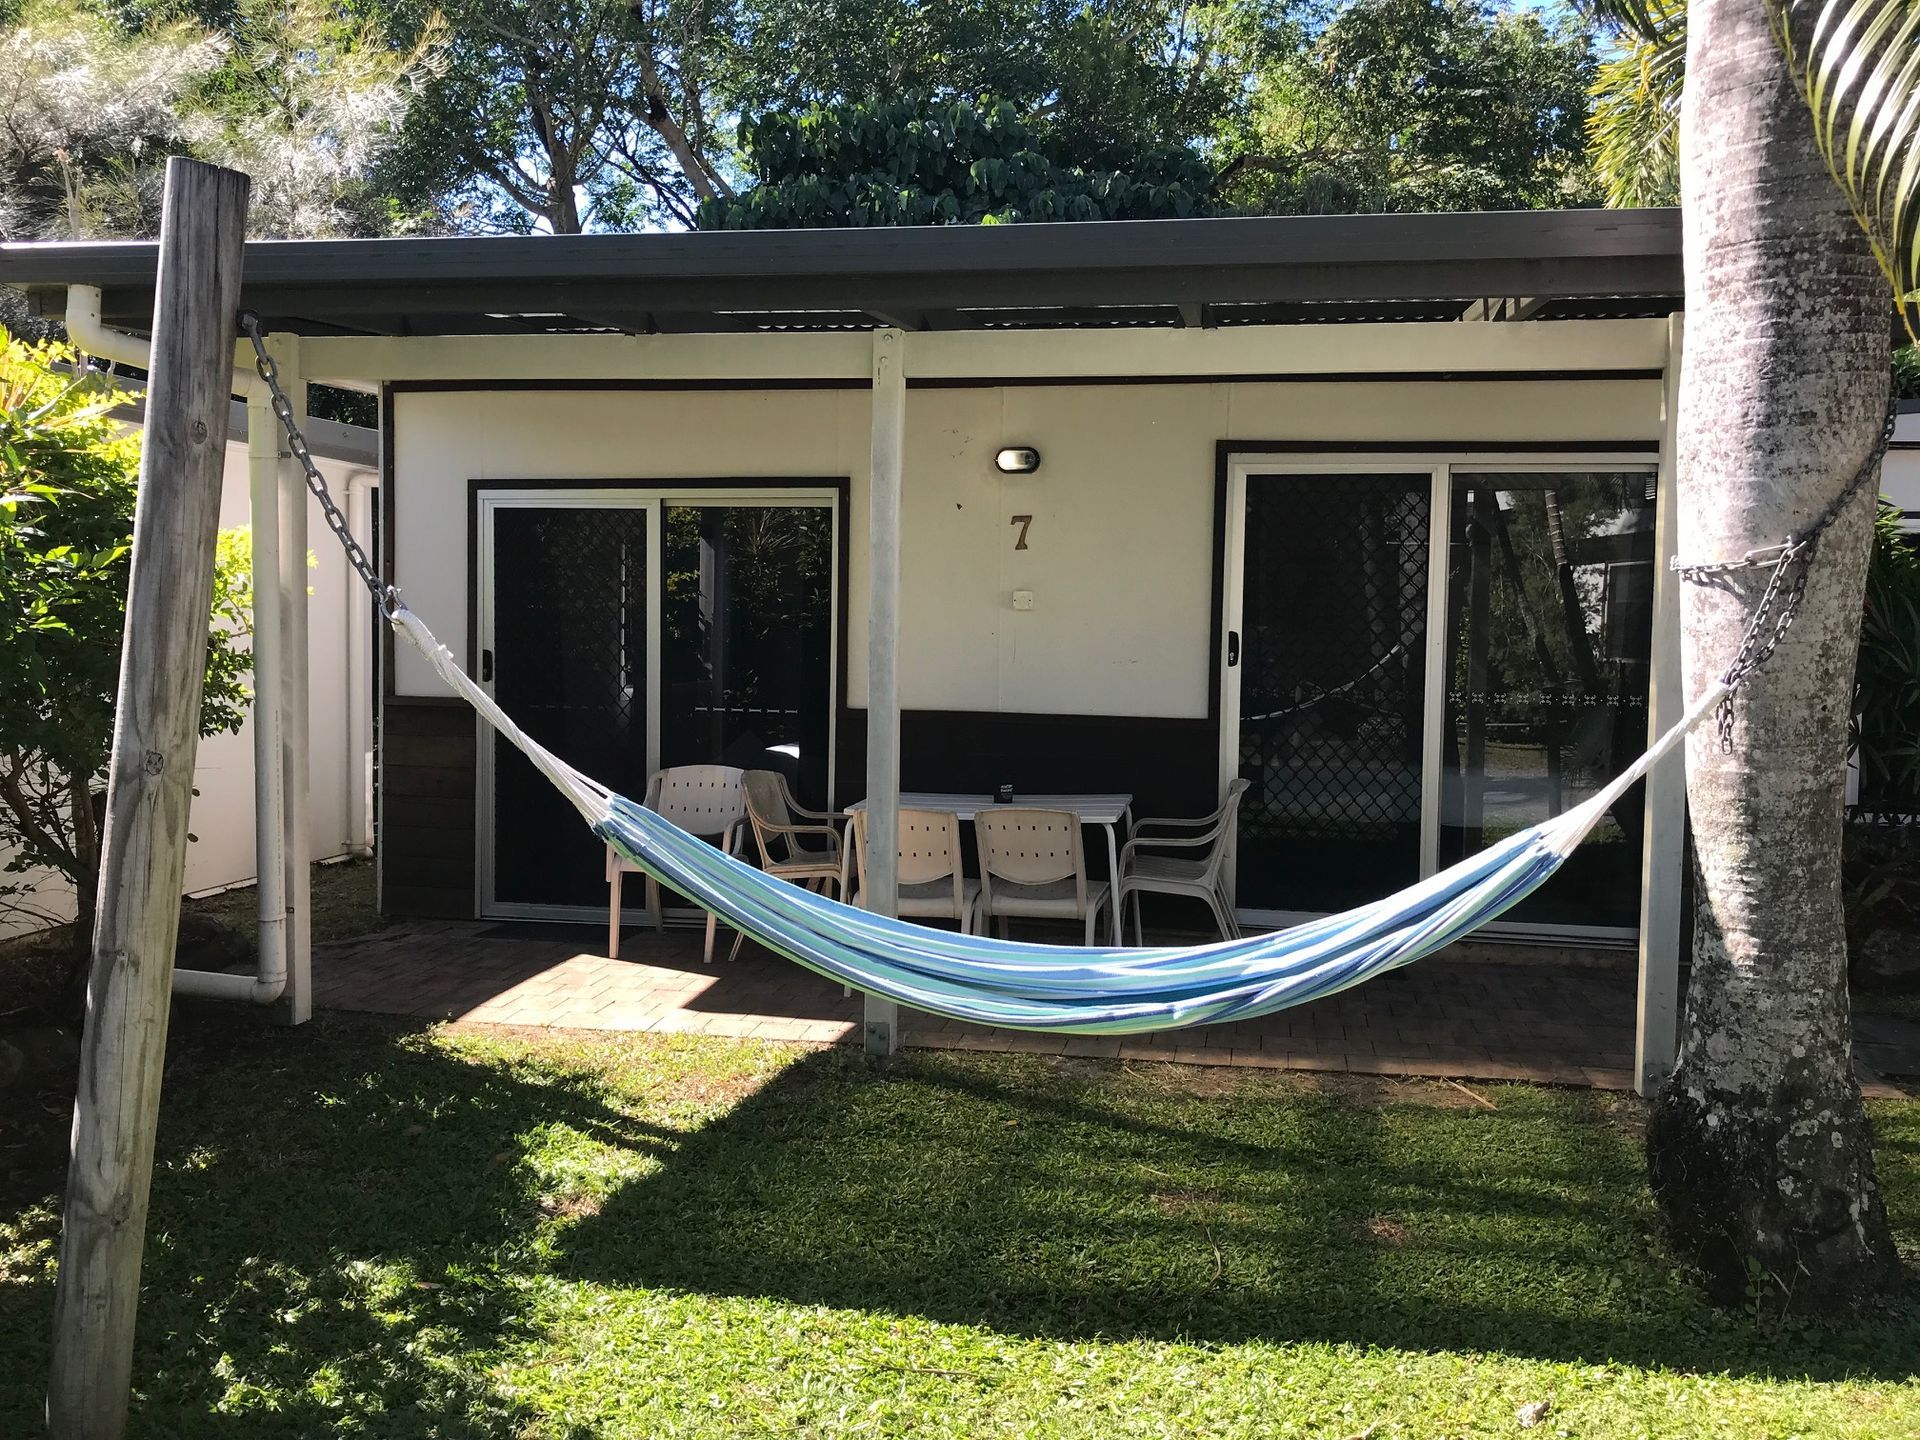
1023, 599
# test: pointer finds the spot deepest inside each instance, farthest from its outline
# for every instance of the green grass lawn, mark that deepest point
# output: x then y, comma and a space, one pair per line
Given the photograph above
367, 1228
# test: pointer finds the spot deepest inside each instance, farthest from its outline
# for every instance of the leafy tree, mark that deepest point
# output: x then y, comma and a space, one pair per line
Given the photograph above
1634, 130
67, 483
88, 114
1098, 80
1394, 105
921, 163
304, 95
1421, 105
1886, 684
562, 115
308, 103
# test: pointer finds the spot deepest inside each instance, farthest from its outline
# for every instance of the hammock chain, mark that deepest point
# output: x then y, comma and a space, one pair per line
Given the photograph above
1793, 558
385, 598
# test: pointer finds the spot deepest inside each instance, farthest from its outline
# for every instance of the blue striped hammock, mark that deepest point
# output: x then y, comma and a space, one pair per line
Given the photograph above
1069, 990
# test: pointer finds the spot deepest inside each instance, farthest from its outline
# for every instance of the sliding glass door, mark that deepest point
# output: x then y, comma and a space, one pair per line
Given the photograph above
567, 659
1548, 641
1420, 656
631, 629
748, 640
1332, 660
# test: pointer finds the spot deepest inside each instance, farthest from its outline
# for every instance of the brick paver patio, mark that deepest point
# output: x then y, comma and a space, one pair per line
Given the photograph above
1462, 1015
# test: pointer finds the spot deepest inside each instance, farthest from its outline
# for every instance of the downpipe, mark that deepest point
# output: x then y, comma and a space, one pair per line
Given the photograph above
360, 489
269, 980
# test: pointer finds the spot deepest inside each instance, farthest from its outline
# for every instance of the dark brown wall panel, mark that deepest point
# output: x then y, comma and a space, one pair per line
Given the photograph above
427, 800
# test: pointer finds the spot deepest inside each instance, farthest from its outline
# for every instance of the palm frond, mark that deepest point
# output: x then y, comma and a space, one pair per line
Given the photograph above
1633, 134
1857, 63
1652, 21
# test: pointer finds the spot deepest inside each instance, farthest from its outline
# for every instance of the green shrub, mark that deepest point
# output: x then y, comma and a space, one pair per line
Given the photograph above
68, 475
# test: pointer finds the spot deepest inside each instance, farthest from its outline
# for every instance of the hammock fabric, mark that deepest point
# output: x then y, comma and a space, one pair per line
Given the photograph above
1069, 990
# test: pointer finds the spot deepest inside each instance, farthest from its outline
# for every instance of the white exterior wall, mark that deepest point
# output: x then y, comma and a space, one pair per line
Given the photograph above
1120, 555
223, 811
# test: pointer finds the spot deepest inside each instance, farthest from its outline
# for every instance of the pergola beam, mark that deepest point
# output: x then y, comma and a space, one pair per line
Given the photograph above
1564, 349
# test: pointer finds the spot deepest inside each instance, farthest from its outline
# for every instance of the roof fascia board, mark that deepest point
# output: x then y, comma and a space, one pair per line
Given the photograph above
1282, 241
1294, 350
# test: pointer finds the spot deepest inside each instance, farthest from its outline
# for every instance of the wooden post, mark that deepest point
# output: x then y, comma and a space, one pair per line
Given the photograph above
149, 787
1656, 1028
883, 636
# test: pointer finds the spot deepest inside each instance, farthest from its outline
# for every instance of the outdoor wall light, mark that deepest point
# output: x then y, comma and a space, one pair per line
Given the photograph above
1017, 460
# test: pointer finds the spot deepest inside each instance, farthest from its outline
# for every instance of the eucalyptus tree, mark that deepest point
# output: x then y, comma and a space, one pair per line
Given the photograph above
1799, 169
562, 115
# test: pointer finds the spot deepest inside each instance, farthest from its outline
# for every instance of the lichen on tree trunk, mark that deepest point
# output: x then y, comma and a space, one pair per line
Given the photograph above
1760, 1152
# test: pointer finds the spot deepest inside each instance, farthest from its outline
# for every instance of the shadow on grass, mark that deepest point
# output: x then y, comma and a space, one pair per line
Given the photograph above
1081, 1201
339, 1239
351, 1232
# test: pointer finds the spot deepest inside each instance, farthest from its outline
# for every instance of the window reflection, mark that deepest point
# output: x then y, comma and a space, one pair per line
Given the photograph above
1549, 629
747, 640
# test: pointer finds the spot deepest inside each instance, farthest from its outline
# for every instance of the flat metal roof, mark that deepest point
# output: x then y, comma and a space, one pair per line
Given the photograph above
1264, 270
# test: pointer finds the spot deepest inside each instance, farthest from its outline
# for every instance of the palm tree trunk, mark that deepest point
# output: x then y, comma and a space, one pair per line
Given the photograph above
1760, 1154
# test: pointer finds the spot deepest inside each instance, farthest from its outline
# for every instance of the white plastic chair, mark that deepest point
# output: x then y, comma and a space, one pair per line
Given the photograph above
1200, 877
1031, 865
932, 876
705, 800
808, 854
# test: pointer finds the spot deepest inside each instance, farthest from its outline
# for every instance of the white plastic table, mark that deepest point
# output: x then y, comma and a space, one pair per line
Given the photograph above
1112, 813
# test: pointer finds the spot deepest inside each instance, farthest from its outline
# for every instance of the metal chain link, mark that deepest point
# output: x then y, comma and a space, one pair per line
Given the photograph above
1793, 556
385, 597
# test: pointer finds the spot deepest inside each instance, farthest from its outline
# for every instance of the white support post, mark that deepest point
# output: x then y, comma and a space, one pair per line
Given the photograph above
296, 1005
1656, 1031
883, 636
269, 686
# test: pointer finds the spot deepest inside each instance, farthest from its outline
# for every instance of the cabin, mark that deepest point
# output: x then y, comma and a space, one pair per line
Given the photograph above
1372, 512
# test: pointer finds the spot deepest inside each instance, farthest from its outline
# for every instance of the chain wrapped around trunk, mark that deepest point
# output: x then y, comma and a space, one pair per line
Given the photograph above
1787, 584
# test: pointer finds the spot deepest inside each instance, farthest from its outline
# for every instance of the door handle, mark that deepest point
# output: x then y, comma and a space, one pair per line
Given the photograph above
486, 664
1233, 648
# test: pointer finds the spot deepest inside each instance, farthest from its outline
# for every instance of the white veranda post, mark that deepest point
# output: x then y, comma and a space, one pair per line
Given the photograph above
296, 673
1656, 1030
883, 637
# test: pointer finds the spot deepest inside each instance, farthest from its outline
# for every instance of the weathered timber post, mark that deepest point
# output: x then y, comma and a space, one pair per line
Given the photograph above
149, 786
